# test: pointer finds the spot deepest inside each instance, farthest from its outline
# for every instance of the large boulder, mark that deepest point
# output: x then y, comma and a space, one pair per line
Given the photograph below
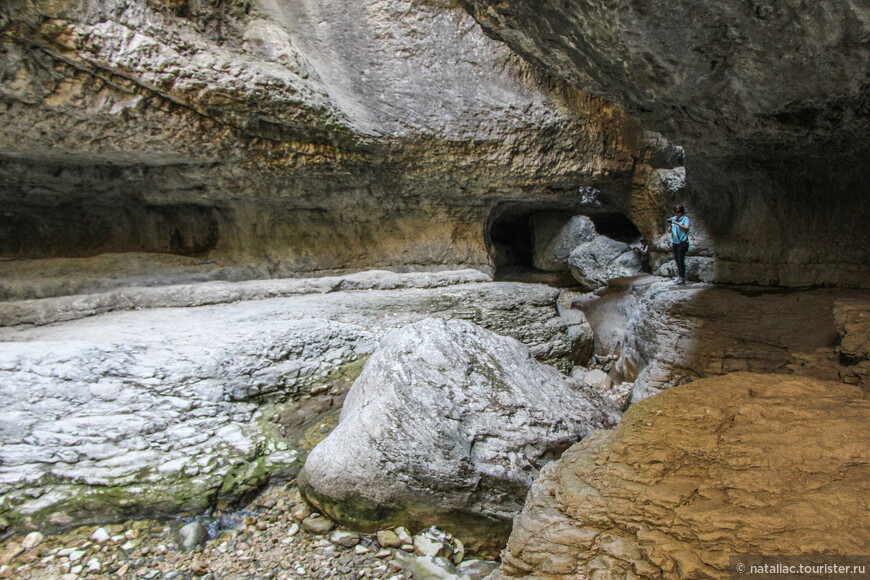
555, 236
601, 259
729, 465
448, 424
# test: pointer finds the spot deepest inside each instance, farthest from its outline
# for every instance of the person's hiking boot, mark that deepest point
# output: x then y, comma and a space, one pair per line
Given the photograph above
679, 280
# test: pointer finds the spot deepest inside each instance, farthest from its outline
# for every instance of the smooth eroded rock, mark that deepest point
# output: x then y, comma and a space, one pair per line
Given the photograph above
596, 262
729, 465
447, 424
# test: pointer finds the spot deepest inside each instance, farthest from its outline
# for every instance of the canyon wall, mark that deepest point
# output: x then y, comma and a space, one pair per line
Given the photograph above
292, 137
769, 99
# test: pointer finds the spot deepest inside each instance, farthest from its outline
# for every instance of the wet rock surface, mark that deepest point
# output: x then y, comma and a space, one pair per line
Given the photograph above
447, 423
261, 541
727, 465
171, 409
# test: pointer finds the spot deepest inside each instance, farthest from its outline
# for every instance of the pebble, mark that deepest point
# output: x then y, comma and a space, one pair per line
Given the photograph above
100, 535
191, 536
76, 555
344, 538
32, 540
388, 539
404, 535
317, 524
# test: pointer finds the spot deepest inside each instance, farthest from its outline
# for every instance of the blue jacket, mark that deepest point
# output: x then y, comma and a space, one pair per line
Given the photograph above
678, 234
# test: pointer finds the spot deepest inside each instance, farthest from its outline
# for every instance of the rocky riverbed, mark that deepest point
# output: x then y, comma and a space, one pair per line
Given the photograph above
274, 537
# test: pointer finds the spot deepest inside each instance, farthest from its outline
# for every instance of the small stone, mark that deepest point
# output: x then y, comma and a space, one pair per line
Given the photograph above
198, 567
301, 513
128, 546
94, 565
344, 538
118, 539
32, 540
293, 530
426, 545
77, 569
408, 547
359, 550
131, 534
300, 571
404, 535
317, 524
100, 536
69, 577
13, 549
388, 539
478, 569
64, 552
76, 555
458, 550
192, 535
441, 568
262, 526
383, 554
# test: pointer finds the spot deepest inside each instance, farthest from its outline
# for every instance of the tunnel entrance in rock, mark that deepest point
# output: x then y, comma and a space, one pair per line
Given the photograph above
516, 232
616, 226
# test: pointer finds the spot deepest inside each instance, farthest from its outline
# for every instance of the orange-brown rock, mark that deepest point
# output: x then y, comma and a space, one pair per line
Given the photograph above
738, 464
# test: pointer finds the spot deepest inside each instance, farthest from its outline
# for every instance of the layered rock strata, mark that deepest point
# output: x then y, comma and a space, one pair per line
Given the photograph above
177, 404
723, 466
447, 424
291, 137
768, 98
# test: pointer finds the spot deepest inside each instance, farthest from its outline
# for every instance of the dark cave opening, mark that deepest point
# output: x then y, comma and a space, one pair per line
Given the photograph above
616, 226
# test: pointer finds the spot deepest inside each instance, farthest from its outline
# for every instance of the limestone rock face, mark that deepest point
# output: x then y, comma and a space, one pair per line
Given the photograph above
556, 236
287, 136
166, 408
595, 262
447, 424
729, 465
768, 99
667, 335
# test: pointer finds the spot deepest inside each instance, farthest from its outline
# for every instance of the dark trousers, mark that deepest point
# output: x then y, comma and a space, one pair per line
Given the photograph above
680, 257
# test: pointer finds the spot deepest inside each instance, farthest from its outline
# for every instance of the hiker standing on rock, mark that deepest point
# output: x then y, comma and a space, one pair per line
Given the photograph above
680, 240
